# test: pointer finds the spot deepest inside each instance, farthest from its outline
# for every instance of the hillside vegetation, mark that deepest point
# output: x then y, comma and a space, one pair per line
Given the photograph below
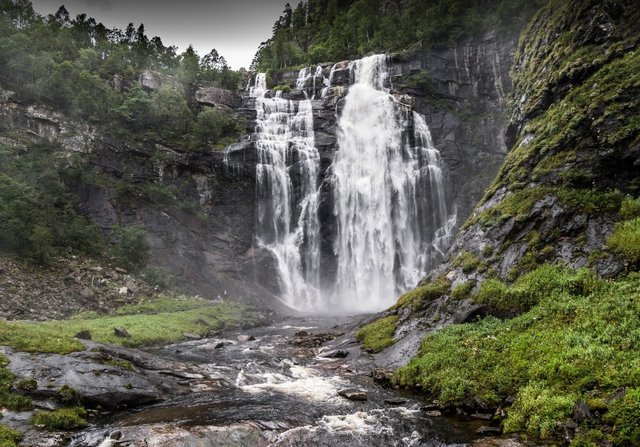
333, 30
552, 250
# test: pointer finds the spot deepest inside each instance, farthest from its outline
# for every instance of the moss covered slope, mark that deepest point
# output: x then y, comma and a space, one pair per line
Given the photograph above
553, 249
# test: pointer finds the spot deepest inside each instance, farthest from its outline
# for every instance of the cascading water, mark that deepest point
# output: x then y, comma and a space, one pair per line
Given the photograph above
388, 194
287, 216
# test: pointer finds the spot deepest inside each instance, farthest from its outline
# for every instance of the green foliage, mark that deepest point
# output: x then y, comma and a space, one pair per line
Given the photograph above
38, 218
624, 415
132, 249
378, 335
9, 437
88, 72
416, 298
626, 239
153, 322
67, 395
212, 125
329, 30
579, 341
537, 409
61, 419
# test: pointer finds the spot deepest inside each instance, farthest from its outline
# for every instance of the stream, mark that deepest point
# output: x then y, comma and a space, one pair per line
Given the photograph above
278, 385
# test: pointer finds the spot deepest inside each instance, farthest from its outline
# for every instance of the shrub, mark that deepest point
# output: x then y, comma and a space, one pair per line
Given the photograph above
27, 385
624, 414
67, 395
378, 335
467, 261
132, 249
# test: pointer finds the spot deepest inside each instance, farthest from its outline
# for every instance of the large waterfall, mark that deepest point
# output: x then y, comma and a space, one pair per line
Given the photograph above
386, 183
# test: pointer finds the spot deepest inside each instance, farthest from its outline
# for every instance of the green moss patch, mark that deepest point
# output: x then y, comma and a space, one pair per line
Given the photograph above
579, 341
414, 299
378, 335
626, 240
62, 419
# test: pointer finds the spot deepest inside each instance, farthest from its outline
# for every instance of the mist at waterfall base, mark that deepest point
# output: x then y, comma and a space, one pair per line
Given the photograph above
387, 192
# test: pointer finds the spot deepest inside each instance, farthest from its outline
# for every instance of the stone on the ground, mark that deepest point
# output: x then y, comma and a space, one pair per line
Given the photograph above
245, 338
119, 331
83, 335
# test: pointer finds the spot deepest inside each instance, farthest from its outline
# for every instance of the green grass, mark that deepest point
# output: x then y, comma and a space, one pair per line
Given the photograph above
378, 335
154, 322
580, 340
61, 419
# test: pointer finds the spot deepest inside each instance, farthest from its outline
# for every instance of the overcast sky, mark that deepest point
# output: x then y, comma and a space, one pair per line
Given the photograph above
233, 27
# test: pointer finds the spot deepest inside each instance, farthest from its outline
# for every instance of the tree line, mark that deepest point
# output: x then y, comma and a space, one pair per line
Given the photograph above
90, 72
332, 30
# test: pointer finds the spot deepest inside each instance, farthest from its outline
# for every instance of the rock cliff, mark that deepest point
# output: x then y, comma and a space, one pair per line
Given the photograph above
574, 156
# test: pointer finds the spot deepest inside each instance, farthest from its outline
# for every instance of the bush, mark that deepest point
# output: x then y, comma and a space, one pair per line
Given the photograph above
131, 248
630, 208
462, 290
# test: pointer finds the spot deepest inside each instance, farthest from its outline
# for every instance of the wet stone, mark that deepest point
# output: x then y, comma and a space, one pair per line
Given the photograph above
486, 430
355, 395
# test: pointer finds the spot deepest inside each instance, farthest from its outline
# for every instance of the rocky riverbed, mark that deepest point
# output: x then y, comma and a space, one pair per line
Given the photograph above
295, 382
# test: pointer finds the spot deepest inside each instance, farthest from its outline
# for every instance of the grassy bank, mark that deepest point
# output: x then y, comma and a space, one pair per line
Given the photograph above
577, 344
161, 320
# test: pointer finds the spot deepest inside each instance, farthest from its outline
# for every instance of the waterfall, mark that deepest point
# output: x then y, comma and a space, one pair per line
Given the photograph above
287, 218
387, 187
389, 193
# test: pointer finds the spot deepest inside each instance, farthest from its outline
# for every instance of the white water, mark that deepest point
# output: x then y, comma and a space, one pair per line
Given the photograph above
385, 190
288, 223
387, 183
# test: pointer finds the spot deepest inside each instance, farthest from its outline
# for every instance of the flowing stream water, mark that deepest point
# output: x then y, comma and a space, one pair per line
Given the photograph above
278, 389
387, 185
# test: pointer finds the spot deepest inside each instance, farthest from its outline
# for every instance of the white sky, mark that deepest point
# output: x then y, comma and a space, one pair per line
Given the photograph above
233, 27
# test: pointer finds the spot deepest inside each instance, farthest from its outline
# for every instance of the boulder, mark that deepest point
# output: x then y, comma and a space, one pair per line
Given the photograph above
83, 335
245, 338
152, 80
119, 331
355, 395
218, 97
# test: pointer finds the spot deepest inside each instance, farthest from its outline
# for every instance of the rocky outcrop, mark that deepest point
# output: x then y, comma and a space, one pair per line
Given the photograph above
152, 80
557, 197
218, 97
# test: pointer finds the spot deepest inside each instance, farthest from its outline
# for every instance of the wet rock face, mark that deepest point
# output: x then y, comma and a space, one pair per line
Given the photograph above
462, 93
218, 97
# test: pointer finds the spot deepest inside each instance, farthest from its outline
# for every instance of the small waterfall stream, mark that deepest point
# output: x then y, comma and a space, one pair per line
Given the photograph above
387, 182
